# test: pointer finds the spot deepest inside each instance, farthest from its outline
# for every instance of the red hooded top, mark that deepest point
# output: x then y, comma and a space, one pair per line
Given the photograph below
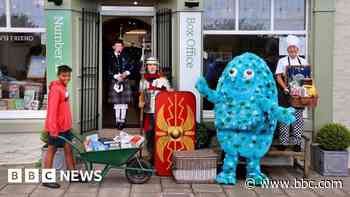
58, 118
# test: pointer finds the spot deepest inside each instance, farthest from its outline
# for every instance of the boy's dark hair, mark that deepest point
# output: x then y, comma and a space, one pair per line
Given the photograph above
63, 69
119, 41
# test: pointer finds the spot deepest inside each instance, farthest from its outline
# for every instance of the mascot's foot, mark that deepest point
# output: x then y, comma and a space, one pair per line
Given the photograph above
226, 178
259, 179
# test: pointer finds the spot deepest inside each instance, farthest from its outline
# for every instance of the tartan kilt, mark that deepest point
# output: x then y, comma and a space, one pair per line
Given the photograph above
123, 97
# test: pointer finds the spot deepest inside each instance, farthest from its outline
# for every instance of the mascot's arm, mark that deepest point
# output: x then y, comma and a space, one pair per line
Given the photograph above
285, 115
205, 91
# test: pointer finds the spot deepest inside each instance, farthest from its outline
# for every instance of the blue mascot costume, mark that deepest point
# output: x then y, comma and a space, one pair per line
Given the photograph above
246, 112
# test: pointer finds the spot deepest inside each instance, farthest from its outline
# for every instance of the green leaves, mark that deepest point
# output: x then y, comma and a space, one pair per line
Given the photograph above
333, 136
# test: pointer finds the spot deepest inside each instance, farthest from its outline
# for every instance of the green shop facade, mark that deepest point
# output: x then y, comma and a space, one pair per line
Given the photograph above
188, 37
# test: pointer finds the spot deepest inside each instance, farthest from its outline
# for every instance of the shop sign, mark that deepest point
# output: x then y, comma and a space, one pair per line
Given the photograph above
16, 38
58, 40
190, 51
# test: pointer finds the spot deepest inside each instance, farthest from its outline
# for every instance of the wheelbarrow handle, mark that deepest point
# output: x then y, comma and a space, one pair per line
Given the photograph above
70, 143
77, 137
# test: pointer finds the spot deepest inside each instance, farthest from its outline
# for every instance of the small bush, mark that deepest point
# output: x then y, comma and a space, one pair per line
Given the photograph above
333, 136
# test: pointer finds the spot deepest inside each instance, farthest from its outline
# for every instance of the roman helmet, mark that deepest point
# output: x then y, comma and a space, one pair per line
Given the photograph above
152, 60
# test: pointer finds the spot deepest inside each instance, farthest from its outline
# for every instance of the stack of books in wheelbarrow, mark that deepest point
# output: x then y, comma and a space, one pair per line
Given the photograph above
121, 141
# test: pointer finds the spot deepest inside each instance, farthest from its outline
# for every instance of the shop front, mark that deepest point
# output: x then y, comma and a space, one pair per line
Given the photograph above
190, 39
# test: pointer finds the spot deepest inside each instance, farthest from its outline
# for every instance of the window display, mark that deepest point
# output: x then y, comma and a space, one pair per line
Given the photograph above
23, 78
220, 49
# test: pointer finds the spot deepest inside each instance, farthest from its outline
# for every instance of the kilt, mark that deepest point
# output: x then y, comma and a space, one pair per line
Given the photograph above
123, 97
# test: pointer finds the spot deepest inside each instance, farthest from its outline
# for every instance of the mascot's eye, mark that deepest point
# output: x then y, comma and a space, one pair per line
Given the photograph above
248, 74
233, 72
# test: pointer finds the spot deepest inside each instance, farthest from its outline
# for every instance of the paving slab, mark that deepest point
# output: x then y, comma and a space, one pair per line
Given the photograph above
80, 195
174, 185
240, 193
115, 182
47, 192
330, 192
175, 190
119, 192
18, 189
152, 194
238, 190
300, 192
211, 194
83, 188
205, 188
13, 195
146, 188
176, 194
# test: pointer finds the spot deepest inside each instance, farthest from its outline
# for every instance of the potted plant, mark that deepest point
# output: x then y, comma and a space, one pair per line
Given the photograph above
59, 162
204, 134
330, 155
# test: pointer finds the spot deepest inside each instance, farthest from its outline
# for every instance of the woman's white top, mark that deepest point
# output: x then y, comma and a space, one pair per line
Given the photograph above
283, 63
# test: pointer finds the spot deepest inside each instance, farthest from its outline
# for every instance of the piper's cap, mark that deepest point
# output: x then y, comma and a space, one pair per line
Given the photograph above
293, 41
152, 60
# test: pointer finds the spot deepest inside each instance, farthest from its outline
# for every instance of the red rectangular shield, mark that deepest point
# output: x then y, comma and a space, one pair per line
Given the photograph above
175, 124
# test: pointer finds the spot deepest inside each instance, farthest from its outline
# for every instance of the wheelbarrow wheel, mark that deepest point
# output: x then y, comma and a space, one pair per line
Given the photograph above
138, 176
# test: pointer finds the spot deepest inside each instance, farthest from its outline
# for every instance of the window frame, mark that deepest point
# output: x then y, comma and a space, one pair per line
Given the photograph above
209, 114
20, 114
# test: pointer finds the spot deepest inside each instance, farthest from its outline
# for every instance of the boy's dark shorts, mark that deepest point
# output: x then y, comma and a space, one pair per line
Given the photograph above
58, 142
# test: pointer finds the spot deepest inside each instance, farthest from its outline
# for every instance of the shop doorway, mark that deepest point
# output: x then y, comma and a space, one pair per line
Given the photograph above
136, 33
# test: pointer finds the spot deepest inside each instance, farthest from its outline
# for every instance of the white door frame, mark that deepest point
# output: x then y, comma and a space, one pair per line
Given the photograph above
122, 11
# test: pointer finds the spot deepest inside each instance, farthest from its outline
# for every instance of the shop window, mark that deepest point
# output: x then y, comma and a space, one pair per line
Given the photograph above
25, 13
220, 49
289, 15
219, 14
22, 71
254, 14
2, 13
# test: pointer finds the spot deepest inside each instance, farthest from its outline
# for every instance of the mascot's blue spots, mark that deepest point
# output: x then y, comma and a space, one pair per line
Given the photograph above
246, 114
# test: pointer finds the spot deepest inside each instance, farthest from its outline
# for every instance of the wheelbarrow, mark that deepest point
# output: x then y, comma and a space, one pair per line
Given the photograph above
137, 170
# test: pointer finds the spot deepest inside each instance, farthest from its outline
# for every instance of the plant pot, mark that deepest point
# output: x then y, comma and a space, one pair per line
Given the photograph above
330, 163
59, 163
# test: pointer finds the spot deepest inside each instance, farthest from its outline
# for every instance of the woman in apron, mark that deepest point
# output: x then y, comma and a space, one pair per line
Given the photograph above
289, 135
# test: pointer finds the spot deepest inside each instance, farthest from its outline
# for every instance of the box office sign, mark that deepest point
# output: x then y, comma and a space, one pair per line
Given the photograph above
190, 51
59, 44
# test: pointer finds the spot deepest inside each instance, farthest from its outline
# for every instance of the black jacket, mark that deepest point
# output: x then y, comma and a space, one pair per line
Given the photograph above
118, 64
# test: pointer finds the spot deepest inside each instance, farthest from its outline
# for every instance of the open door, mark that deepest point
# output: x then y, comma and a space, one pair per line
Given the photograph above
89, 71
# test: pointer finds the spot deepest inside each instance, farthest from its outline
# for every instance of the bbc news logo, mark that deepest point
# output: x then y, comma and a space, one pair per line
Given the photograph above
50, 175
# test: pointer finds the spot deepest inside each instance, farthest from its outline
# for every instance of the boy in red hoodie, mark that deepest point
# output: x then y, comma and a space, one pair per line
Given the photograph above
59, 120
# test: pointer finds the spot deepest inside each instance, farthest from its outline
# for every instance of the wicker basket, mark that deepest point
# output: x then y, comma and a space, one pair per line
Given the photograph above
300, 102
197, 166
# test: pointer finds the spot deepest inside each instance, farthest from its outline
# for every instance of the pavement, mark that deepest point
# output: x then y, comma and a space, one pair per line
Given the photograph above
116, 185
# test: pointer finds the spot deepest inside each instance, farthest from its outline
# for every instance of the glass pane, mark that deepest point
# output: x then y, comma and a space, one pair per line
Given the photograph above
2, 13
220, 49
219, 14
23, 77
254, 14
26, 13
290, 15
